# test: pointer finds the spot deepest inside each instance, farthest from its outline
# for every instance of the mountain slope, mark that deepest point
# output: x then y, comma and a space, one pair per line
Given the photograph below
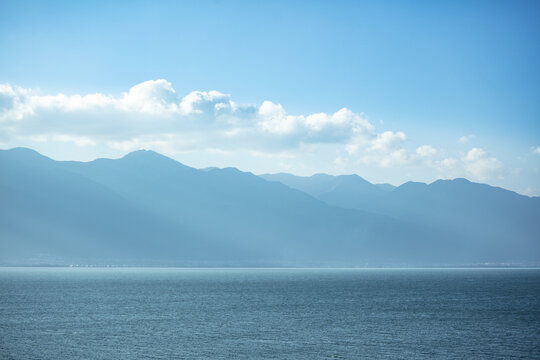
347, 191
487, 217
49, 212
266, 220
146, 208
485, 214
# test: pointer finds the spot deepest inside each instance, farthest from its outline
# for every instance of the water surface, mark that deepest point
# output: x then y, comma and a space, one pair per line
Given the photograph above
128, 313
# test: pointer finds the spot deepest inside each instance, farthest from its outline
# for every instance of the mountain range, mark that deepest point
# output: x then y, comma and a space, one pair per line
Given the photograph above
148, 209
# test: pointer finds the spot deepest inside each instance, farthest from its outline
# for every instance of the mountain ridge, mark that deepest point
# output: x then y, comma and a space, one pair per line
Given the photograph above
148, 206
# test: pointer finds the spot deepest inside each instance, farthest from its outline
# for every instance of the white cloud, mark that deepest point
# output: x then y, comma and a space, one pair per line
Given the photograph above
466, 138
7, 98
341, 161
481, 166
152, 115
537, 150
274, 120
152, 97
77, 140
387, 141
386, 149
202, 102
396, 158
530, 191
320, 127
154, 108
449, 167
476, 164
426, 151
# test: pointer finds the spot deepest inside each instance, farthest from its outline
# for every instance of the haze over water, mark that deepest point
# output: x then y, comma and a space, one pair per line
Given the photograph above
163, 313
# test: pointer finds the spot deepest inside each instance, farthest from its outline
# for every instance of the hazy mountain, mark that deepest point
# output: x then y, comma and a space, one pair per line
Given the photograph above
486, 216
385, 187
48, 213
146, 208
349, 191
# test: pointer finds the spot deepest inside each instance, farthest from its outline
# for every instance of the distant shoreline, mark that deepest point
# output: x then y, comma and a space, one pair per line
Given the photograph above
464, 267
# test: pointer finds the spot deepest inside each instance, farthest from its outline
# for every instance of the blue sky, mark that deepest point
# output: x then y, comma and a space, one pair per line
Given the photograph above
432, 89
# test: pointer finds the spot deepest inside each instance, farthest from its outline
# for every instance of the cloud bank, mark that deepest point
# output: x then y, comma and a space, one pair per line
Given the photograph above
153, 115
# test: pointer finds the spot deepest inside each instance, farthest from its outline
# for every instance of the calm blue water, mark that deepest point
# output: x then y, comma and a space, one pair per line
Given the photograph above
63, 313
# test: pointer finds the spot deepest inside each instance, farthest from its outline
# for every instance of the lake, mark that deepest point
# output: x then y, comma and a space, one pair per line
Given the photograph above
165, 313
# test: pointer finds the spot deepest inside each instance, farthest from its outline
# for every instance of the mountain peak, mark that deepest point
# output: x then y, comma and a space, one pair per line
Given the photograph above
22, 150
151, 158
452, 181
143, 153
24, 154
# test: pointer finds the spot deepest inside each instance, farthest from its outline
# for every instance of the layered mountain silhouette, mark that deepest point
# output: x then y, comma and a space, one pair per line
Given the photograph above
147, 209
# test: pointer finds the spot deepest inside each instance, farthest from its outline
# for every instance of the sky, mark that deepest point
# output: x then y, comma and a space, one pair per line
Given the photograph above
392, 91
